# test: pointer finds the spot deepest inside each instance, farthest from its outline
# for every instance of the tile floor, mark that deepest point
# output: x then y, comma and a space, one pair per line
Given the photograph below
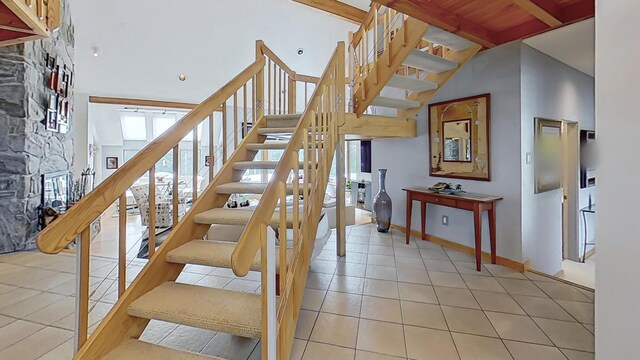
384, 300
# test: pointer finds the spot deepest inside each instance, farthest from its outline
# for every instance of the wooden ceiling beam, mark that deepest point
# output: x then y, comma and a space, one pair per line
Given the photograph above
444, 19
345, 11
547, 11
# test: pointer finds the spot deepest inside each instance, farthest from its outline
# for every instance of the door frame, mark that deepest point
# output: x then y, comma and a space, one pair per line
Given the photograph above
571, 190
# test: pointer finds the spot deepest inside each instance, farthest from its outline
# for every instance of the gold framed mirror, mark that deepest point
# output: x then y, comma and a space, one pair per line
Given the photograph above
459, 138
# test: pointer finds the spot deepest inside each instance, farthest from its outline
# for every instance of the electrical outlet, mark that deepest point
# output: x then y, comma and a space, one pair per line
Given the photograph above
445, 220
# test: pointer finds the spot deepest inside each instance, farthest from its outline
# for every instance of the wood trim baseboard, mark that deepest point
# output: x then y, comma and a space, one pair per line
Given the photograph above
556, 278
512, 264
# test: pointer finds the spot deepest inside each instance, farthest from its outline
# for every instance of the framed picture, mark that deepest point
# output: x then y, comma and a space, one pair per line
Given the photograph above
207, 160
112, 162
50, 61
52, 120
53, 102
548, 155
459, 134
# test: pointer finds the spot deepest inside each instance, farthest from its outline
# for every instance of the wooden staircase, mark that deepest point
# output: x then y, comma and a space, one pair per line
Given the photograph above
394, 51
408, 55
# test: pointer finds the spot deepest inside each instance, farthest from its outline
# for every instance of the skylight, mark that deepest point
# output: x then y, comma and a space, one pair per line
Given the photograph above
162, 122
134, 126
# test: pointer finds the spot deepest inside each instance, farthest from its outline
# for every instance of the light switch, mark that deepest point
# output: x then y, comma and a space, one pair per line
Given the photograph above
445, 220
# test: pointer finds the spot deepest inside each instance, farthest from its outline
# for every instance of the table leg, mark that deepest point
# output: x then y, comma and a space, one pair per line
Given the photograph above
477, 222
423, 214
409, 207
492, 232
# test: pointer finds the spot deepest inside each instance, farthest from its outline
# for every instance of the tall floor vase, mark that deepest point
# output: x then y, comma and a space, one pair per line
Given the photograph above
382, 204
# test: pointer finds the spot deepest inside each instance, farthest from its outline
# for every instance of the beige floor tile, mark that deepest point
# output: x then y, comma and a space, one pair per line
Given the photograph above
323, 266
348, 269
447, 279
429, 344
472, 347
312, 299
381, 250
15, 296
485, 283
359, 248
456, 297
417, 292
426, 244
381, 288
582, 311
503, 272
381, 260
342, 303
560, 291
188, 338
457, 256
410, 263
578, 355
434, 254
50, 282
409, 251
62, 352
535, 277
542, 308
54, 312
30, 305
306, 321
297, 349
355, 239
376, 308
354, 258
16, 331
242, 285
6, 288
468, 321
416, 276
46, 339
213, 281
470, 268
567, 335
590, 327
156, 331
521, 287
500, 302
230, 347
336, 330
316, 351
440, 265
525, 351
26, 275
365, 355
5, 320
319, 281
423, 315
381, 273
381, 337
348, 284
518, 328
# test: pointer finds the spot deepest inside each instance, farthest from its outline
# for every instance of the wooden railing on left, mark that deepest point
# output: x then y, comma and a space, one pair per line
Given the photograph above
74, 225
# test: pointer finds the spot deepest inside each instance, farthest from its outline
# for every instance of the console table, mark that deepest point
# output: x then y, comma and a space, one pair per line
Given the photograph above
466, 201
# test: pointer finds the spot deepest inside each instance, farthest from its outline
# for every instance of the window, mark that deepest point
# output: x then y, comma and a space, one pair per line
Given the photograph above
134, 126
186, 162
162, 123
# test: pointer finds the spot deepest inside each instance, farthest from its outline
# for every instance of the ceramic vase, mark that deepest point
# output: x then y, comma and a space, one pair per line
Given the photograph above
382, 204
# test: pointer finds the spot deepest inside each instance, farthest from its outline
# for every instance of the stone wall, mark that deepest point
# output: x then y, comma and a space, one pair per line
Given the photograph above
27, 149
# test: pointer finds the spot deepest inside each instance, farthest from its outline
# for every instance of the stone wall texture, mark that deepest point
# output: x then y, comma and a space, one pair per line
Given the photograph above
27, 149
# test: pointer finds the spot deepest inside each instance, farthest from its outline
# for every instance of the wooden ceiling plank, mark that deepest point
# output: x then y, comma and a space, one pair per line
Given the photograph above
522, 31
581, 10
546, 10
444, 19
337, 8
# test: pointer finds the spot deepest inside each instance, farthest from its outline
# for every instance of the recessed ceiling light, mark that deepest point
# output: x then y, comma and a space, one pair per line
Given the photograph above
182, 77
95, 52
300, 51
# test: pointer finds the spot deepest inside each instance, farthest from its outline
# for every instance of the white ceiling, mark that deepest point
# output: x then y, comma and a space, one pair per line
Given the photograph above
574, 45
145, 44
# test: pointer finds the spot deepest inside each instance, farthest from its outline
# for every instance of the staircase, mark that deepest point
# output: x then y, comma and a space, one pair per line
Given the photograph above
409, 55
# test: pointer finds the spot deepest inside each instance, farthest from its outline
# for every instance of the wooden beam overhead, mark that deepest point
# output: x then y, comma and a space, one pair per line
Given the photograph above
337, 8
545, 10
444, 19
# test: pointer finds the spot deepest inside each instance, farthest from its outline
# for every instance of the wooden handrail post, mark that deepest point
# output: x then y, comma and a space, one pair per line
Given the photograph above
174, 185
152, 210
292, 95
259, 83
83, 257
122, 244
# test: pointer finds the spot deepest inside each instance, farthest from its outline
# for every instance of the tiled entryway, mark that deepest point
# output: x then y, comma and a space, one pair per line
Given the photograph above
384, 300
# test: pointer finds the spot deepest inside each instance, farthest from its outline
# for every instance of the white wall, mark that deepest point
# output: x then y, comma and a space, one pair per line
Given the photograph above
553, 90
495, 71
617, 90
80, 130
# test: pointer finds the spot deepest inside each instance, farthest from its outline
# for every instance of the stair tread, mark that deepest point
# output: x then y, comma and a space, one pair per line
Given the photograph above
283, 117
395, 103
214, 253
272, 145
450, 40
233, 312
135, 349
238, 216
247, 188
429, 62
246, 165
276, 130
410, 83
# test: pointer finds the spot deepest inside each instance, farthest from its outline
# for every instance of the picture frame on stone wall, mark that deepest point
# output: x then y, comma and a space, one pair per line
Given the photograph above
52, 120
111, 162
53, 102
51, 61
63, 128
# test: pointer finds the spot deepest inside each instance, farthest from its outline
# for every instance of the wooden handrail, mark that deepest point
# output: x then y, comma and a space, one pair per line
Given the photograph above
56, 237
357, 36
271, 55
307, 78
248, 244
